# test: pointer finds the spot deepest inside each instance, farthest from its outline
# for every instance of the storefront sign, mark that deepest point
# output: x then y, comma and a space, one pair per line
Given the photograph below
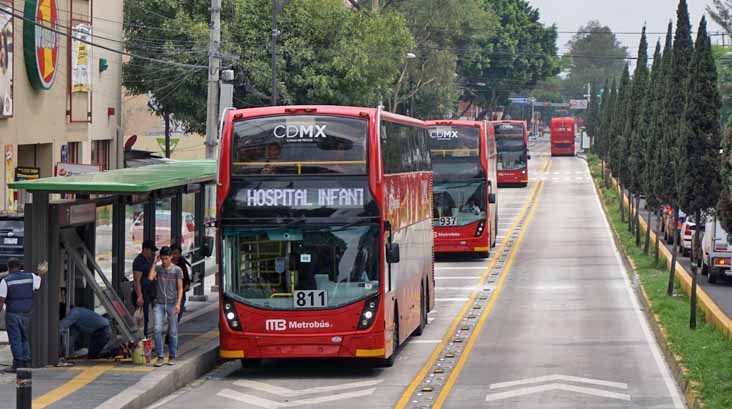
40, 44
27, 173
72, 169
9, 202
6, 59
81, 58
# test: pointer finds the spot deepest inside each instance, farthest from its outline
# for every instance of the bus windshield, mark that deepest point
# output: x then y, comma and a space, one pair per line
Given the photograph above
455, 152
511, 152
459, 203
277, 268
300, 144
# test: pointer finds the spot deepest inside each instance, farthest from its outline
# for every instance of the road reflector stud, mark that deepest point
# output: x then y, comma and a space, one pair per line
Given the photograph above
465, 328
457, 340
427, 389
449, 355
471, 317
439, 370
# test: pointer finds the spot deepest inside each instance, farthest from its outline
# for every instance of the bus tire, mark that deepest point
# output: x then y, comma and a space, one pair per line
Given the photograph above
712, 277
251, 363
389, 362
495, 229
422, 312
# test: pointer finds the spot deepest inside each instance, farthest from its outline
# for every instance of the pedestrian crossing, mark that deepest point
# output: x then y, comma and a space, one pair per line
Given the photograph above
574, 177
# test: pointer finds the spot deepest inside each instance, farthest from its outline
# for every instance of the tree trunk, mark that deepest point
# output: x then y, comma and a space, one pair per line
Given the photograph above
630, 212
674, 253
648, 233
659, 222
637, 221
166, 119
604, 176
692, 303
621, 194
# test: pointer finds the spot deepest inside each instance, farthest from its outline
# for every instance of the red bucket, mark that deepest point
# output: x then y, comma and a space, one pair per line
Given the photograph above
147, 349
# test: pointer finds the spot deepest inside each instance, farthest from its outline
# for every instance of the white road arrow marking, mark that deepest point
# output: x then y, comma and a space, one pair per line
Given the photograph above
556, 386
289, 393
552, 378
270, 404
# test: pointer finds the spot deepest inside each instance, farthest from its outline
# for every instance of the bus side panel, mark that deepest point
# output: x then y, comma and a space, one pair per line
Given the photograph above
408, 198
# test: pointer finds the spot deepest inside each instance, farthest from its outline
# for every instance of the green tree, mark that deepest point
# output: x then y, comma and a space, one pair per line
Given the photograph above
596, 54
618, 152
172, 35
634, 126
723, 59
603, 144
663, 182
699, 180
522, 53
724, 206
675, 104
650, 136
593, 114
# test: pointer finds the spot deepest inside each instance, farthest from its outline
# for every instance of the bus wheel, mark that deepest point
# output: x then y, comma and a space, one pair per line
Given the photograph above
495, 225
422, 313
712, 277
251, 363
705, 269
389, 362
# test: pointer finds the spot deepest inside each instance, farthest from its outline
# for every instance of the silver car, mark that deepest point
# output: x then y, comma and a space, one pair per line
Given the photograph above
717, 248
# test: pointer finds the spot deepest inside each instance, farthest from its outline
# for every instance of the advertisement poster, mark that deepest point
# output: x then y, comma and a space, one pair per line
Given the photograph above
23, 173
6, 60
72, 169
81, 58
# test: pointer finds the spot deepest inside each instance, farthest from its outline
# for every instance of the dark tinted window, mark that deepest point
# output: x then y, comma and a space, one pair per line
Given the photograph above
509, 129
300, 144
454, 141
404, 148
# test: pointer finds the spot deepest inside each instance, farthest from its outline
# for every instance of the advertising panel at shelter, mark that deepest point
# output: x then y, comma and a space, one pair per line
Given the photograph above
6, 59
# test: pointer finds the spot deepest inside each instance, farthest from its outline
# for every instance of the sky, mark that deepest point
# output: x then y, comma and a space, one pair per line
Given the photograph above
621, 16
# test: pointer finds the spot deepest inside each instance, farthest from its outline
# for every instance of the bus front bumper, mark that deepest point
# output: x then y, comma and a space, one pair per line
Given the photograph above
332, 345
461, 245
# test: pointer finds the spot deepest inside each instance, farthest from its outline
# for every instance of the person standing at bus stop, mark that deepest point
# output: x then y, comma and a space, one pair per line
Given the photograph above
168, 280
180, 261
16, 292
144, 292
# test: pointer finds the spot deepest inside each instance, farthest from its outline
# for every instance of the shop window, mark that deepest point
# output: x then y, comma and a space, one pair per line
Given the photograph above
100, 153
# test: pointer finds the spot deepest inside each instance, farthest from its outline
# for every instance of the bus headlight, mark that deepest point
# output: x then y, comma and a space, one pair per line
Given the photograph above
370, 307
231, 316
480, 228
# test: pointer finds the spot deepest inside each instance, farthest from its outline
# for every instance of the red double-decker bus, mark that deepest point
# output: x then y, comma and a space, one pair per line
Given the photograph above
324, 231
562, 136
513, 153
464, 166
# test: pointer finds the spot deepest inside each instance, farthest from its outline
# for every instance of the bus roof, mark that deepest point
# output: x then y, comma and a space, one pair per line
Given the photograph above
457, 122
321, 109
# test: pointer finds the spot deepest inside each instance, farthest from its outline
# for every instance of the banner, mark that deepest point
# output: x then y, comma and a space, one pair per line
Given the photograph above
6, 59
72, 169
81, 58
23, 173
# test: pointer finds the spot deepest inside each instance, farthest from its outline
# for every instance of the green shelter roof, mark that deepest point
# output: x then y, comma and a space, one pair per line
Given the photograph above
141, 179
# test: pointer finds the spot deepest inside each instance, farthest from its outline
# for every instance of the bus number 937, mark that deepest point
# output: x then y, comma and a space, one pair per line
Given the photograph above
448, 221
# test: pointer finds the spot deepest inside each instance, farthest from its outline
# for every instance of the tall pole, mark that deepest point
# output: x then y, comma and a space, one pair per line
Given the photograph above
274, 52
214, 64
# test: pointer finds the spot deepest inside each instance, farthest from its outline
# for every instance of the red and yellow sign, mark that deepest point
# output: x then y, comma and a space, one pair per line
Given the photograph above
41, 42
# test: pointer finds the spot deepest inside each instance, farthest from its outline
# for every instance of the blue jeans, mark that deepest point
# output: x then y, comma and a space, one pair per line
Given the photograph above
160, 311
18, 327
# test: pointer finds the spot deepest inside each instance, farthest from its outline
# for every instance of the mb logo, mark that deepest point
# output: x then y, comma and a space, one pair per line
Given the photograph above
275, 325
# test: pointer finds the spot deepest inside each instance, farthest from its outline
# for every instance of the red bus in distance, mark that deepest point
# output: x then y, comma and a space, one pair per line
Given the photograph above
324, 233
464, 170
562, 136
513, 152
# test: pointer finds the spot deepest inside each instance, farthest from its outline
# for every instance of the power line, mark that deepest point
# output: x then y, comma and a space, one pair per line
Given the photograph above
35, 23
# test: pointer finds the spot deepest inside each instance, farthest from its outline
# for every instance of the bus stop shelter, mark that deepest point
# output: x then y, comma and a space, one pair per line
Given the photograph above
88, 228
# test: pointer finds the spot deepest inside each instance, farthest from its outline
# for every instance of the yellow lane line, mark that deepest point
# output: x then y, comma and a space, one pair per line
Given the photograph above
445, 391
407, 394
84, 378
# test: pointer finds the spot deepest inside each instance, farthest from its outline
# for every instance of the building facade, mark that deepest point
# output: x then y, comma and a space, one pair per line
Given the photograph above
60, 98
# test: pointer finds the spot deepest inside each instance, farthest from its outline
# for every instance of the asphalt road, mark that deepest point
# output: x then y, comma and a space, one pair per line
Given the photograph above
565, 309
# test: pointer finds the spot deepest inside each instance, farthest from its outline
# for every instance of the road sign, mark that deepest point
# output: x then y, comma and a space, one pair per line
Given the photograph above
578, 104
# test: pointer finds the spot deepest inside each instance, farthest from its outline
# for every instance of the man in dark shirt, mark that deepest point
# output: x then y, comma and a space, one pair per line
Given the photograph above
144, 292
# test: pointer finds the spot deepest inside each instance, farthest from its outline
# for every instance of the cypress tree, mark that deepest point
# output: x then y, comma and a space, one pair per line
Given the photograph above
608, 105
650, 136
593, 115
618, 153
724, 206
675, 105
662, 172
698, 177
634, 126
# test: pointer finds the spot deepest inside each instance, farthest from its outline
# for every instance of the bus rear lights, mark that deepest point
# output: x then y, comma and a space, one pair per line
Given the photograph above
480, 228
231, 316
721, 262
370, 307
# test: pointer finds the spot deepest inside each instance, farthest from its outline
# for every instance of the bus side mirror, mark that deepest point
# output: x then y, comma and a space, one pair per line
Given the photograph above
206, 247
392, 253
492, 198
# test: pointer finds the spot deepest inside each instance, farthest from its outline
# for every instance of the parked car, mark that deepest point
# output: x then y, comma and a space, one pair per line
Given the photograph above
11, 238
687, 234
162, 229
668, 223
717, 251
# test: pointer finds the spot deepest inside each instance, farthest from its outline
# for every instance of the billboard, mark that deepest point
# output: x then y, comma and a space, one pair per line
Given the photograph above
6, 59
72, 169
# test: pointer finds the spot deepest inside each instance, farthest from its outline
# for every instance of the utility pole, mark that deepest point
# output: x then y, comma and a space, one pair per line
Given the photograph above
274, 52
374, 5
214, 64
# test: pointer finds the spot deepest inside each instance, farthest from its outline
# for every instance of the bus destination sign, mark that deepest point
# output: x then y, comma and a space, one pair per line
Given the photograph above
303, 198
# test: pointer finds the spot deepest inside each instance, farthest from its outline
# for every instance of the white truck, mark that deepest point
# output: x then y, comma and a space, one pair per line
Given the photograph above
717, 251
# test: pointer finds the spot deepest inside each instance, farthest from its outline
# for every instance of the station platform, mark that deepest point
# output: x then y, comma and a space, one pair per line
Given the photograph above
108, 383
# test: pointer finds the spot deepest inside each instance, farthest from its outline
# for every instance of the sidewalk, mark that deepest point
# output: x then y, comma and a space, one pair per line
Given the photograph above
121, 384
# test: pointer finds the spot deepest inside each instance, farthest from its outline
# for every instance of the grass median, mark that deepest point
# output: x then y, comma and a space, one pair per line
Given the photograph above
704, 353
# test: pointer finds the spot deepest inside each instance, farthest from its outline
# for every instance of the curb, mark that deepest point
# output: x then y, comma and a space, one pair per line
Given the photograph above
164, 381
677, 369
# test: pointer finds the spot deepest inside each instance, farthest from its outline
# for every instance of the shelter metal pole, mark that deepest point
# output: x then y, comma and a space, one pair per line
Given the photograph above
199, 269
176, 213
118, 241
